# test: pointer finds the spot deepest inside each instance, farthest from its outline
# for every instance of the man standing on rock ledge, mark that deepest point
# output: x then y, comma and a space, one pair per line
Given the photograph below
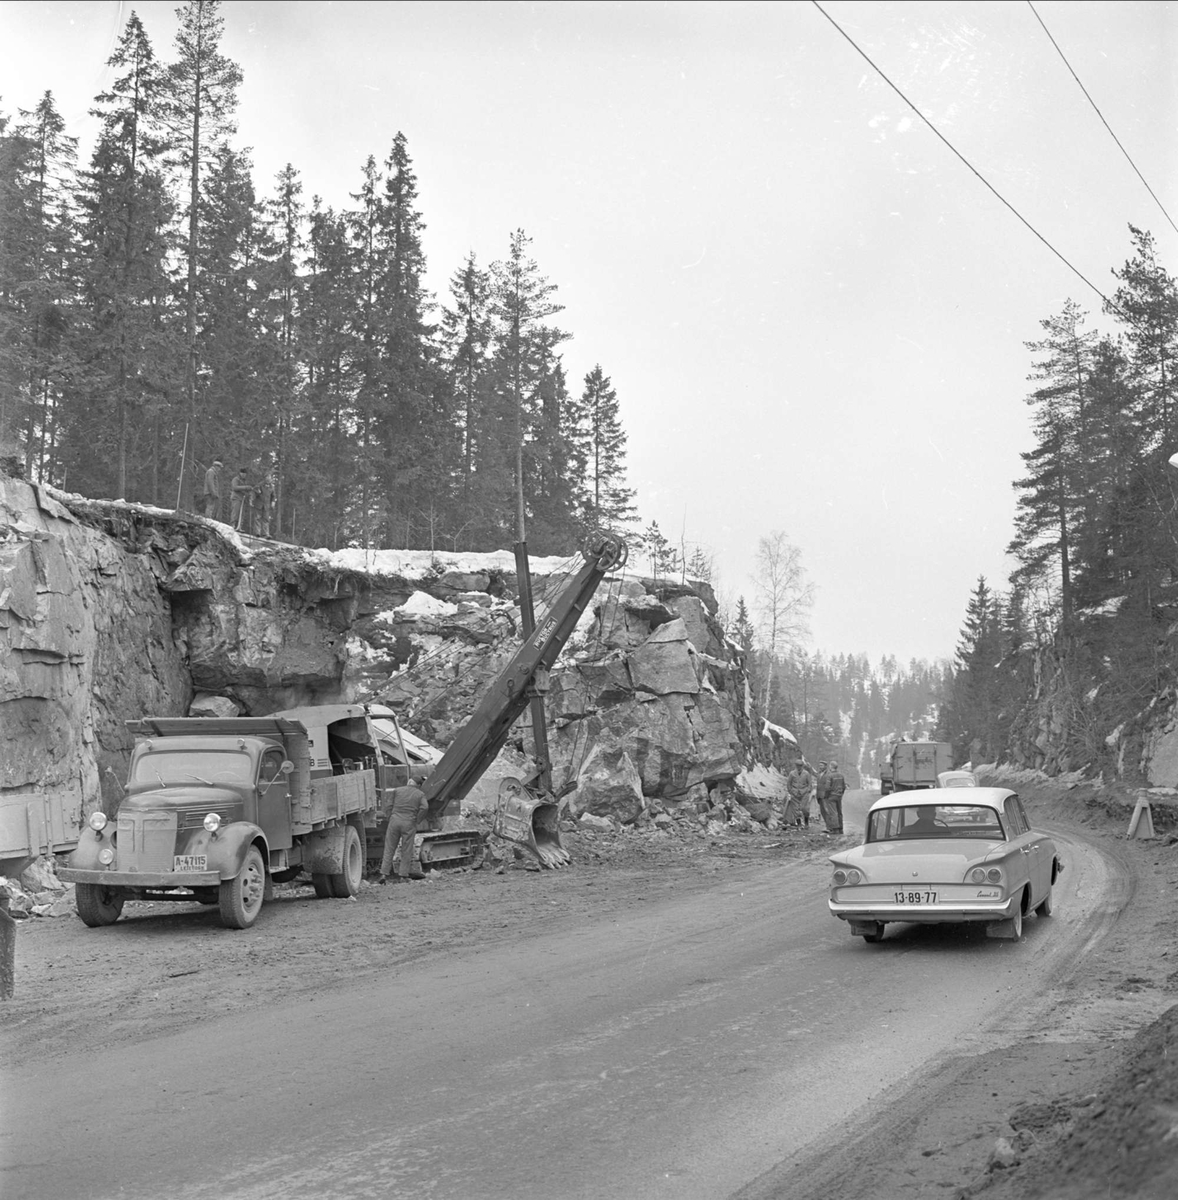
407, 805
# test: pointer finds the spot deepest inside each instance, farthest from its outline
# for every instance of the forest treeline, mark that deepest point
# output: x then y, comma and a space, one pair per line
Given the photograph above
157, 313
1074, 649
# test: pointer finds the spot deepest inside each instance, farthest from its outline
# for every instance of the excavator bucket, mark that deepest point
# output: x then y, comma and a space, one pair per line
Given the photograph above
530, 822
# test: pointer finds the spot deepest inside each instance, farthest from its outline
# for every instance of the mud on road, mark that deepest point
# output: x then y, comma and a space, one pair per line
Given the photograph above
1085, 1100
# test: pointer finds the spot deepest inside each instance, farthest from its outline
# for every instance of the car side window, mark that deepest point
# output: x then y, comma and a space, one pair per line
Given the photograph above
1023, 813
1015, 822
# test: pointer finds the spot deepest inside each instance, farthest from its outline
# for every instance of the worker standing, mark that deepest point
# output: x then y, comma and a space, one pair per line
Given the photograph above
406, 806
241, 491
836, 785
799, 783
212, 495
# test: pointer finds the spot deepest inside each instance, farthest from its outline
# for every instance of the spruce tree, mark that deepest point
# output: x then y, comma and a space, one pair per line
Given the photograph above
608, 502
201, 97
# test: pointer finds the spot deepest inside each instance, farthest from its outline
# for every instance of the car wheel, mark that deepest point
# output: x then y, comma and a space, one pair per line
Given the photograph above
241, 898
1016, 922
97, 906
1044, 909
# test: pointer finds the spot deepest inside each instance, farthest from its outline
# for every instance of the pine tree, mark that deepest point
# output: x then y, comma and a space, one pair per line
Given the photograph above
521, 305
1055, 491
130, 354
201, 97
466, 340
607, 502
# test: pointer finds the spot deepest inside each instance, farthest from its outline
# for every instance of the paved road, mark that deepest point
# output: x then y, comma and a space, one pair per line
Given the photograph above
682, 1051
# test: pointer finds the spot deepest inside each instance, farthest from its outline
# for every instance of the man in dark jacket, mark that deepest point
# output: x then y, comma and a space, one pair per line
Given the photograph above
406, 806
832, 804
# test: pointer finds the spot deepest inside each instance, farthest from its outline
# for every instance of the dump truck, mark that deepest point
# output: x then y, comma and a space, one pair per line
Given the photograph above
916, 765
219, 809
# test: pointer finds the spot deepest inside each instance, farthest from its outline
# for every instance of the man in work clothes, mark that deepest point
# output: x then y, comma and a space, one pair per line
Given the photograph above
406, 806
836, 785
798, 785
241, 491
213, 490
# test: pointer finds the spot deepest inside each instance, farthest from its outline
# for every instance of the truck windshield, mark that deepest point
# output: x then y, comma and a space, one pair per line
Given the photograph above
933, 821
192, 766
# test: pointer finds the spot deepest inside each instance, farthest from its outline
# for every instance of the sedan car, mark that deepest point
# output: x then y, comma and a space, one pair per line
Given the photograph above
945, 855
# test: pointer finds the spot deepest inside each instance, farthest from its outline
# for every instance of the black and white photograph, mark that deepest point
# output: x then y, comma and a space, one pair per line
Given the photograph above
588, 599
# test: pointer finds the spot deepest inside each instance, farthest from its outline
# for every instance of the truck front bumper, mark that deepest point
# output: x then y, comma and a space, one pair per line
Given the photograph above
140, 879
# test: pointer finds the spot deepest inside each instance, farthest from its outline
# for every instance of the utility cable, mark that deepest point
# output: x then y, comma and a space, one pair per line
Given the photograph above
965, 161
1095, 109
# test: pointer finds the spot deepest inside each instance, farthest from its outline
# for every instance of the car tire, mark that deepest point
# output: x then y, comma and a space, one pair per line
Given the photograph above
872, 932
1044, 909
241, 899
97, 906
347, 882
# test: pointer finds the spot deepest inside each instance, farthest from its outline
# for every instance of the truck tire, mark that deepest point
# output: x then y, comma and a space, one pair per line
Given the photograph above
241, 898
322, 886
97, 906
347, 882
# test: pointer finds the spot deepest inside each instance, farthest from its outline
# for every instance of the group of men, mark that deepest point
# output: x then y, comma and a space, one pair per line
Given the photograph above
827, 787
252, 492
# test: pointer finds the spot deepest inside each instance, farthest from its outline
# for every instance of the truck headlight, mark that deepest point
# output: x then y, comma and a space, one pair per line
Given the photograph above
212, 822
97, 821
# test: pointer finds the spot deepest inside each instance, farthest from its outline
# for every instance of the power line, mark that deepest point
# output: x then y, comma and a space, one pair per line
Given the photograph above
957, 154
1101, 116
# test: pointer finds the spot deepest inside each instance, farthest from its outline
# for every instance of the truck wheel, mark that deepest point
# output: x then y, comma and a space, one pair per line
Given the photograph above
347, 882
241, 898
322, 886
97, 906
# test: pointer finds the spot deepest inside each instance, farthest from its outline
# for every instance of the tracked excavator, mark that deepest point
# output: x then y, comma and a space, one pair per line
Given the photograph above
527, 812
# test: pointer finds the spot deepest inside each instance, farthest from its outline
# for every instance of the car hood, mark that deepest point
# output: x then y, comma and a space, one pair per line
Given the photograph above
933, 858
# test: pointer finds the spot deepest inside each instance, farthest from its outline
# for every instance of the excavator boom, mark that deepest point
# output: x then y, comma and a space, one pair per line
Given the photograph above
483, 735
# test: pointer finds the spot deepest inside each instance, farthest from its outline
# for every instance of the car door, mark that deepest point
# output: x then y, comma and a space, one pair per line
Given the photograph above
1040, 857
1020, 858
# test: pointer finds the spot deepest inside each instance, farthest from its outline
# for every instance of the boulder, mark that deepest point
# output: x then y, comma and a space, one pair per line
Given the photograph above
701, 630
206, 705
608, 785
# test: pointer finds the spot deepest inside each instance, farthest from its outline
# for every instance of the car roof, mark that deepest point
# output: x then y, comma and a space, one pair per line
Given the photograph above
989, 797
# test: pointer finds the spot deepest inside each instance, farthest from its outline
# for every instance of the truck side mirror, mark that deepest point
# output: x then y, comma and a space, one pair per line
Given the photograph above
287, 767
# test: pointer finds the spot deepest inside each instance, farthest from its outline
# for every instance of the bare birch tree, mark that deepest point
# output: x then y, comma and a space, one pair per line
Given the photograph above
783, 600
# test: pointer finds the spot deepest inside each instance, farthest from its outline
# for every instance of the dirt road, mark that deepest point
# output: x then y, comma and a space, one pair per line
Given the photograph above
671, 1017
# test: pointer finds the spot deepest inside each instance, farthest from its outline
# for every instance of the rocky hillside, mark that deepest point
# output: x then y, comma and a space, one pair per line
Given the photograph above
110, 611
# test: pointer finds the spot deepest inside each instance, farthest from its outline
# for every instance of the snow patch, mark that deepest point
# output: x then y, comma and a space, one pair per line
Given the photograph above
422, 604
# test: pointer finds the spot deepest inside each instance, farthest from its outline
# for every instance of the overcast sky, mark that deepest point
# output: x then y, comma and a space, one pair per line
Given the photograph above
813, 313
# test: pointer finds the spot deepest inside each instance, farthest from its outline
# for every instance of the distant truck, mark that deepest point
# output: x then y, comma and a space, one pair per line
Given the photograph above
915, 765
217, 809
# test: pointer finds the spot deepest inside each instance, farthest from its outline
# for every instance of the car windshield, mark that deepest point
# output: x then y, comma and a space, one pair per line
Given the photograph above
933, 821
192, 766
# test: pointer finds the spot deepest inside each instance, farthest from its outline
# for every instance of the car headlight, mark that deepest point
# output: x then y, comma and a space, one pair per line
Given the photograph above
847, 875
212, 822
97, 821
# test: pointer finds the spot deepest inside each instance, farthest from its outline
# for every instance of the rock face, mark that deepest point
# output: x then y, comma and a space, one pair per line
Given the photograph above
85, 643
110, 612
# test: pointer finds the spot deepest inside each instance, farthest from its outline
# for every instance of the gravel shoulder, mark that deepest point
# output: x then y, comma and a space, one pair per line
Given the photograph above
1081, 1100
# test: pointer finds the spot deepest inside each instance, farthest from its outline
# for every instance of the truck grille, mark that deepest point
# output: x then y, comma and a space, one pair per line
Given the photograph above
147, 841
